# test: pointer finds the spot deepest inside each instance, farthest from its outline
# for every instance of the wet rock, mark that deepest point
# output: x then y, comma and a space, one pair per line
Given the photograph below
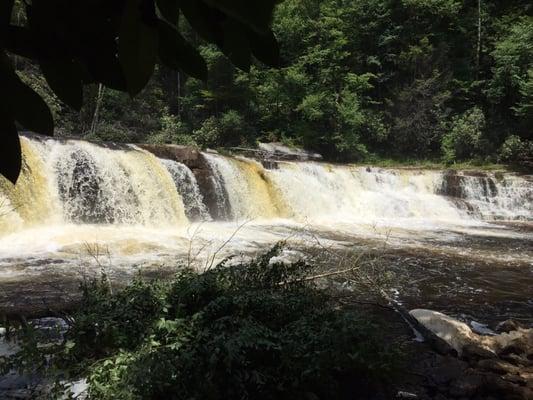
508, 326
460, 337
474, 352
448, 369
183, 154
466, 386
506, 390
455, 333
498, 366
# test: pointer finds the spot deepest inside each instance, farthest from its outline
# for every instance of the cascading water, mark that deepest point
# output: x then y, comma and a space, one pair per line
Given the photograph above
187, 186
76, 182
498, 197
79, 182
75, 199
250, 192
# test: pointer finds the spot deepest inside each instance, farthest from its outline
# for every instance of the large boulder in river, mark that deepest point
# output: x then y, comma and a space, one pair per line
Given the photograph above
461, 337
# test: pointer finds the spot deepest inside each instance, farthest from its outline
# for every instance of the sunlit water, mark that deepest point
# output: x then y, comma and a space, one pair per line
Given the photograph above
80, 209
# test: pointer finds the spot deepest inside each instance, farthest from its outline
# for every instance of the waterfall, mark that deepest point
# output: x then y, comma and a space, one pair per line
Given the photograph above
496, 196
187, 186
251, 193
83, 183
310, 191
80, 183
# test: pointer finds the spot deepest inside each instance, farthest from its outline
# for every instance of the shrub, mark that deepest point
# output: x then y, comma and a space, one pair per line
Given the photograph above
172, 131
514, 150
256, 331
463, 141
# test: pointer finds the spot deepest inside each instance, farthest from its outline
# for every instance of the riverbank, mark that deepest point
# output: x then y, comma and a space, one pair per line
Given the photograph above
424, 366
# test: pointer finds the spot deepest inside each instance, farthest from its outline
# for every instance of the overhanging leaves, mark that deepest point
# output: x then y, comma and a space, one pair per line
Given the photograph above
256, 14
64, 77
116, 43
176, 53
236, 46
24, 105
137, 47
10, 153
169, 10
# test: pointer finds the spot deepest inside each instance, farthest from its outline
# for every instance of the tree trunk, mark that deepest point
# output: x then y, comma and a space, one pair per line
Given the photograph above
96, 114
478, 58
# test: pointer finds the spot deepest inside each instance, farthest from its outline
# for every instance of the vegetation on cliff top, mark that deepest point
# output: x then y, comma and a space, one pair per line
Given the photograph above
360, 80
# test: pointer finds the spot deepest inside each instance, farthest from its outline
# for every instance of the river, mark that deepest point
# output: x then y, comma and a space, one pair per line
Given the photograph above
454, 241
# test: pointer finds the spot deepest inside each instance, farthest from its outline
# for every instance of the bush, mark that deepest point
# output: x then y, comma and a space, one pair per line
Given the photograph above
463, 141
514, 150
172, 131
255, 331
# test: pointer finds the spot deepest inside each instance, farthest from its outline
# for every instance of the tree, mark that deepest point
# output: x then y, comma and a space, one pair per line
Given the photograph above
75, 44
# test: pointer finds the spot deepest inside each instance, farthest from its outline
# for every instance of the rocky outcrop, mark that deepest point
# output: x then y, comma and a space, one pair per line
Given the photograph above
195, 160
500, 365
187, 155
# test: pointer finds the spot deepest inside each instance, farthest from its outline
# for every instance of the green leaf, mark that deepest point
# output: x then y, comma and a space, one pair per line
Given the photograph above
137, 47
236, 46
265, 48
169, 9
19, 40
6, 9
10, 152
176, 53
30, 110
202, 18
25, 105
65, 79
256, 14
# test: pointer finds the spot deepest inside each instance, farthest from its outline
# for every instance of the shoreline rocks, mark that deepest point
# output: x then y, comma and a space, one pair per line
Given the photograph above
500, 365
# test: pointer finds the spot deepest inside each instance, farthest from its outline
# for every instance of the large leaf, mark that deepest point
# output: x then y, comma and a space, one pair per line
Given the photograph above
176, 53
10, 153
65, 78
256, 14
236, 46
137, 47
169, 9
202, 18
24, 105
19, 40
6, 9
265, 48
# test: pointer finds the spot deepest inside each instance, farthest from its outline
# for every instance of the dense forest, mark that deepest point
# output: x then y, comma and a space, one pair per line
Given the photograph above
361, 80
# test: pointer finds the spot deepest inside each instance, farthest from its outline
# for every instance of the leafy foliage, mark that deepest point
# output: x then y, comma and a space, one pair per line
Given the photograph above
358, 80
463, 140
243, 331
116, 44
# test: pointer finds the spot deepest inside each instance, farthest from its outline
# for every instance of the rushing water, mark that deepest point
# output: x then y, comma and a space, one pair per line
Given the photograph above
78, 205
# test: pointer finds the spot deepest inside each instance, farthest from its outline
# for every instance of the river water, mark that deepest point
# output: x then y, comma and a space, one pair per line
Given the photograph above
455, 242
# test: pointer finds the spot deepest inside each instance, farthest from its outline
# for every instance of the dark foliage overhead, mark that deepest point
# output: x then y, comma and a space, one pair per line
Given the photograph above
116, 43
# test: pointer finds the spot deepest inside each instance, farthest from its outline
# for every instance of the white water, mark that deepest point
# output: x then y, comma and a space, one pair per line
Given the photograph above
187, 187
73, 194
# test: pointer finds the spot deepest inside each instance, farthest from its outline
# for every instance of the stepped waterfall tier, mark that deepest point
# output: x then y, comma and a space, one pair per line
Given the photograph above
156, 206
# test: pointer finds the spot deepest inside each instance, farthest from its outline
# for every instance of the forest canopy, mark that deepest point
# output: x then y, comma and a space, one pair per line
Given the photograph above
115, 44
359, 80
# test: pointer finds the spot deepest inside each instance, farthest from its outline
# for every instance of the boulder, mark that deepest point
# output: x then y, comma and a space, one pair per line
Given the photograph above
184, 154
468, 343
508, 326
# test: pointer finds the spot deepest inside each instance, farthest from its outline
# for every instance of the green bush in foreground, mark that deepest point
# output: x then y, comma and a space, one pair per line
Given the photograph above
254, 331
